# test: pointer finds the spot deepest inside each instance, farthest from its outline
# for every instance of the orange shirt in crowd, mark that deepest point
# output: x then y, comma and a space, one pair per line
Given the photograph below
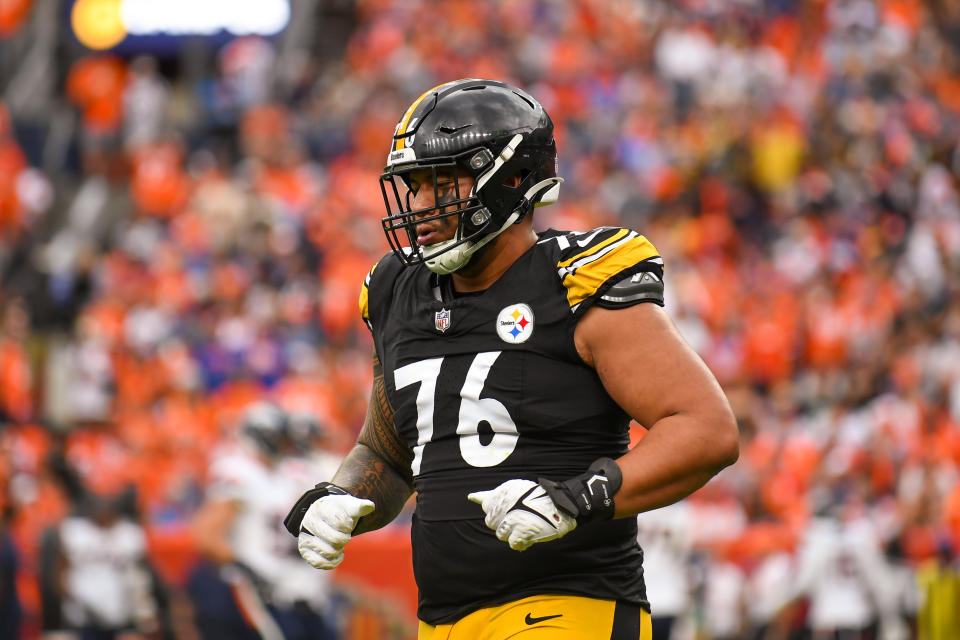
16, 380
27, 446
104, 318
342, 274
102, 460
770, 336
293, 186
229, 401
12, 162
137, 382
12, 15
952, 514
158, 183
827, 335
96, 84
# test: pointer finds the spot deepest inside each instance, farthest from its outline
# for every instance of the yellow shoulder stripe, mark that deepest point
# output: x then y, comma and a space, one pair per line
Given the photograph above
594, 249
584, 280
364, 302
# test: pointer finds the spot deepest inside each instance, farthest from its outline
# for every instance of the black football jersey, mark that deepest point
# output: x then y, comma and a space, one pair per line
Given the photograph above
487, 387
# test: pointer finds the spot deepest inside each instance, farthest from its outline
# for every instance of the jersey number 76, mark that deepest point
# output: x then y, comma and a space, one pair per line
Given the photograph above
473, 411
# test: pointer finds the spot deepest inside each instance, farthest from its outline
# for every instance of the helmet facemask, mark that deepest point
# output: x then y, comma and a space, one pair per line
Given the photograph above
400, 225
476, 224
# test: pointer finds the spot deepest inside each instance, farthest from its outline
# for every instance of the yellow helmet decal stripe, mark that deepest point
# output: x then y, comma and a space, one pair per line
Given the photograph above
400, 134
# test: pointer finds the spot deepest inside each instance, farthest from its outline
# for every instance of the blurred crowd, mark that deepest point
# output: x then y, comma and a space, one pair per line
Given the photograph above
200, 245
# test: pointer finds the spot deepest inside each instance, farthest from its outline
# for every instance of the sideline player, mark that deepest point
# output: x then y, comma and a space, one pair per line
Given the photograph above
238, 530
508, 365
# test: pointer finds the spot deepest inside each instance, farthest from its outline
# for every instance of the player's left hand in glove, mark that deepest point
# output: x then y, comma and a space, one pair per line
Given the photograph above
323, 519
523, 512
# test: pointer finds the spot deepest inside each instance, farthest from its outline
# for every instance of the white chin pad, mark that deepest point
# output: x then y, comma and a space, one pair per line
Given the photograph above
455, 258
449, 261
550, 196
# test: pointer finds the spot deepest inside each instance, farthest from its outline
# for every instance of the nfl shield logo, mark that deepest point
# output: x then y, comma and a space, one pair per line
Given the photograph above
442, 319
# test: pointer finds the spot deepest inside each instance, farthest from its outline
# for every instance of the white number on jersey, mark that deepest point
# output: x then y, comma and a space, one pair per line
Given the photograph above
473, 411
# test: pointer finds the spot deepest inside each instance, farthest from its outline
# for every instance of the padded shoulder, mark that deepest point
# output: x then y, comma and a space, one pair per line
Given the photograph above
376, 287
644, 286
591, 262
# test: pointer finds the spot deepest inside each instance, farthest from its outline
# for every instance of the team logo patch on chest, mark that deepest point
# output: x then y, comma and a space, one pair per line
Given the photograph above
515, 323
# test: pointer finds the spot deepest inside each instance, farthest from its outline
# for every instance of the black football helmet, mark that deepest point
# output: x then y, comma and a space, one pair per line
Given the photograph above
305, 429
267, 427
490, 129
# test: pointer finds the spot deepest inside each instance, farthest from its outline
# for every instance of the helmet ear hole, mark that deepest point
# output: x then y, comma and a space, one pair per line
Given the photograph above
516, 179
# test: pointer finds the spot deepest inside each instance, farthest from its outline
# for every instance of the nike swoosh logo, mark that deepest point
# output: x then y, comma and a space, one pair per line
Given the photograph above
531, 620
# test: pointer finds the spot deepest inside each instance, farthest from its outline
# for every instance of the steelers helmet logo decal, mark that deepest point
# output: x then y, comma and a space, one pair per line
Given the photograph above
515, 323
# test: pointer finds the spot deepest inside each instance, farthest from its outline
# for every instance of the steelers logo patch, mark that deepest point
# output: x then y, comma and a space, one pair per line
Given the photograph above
515, 323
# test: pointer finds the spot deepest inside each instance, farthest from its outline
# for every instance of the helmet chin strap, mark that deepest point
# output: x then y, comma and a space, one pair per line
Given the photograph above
450, 260
456, 258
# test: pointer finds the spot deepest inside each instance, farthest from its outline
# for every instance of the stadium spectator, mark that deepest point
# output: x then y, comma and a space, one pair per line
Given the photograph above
11, 610
96, 579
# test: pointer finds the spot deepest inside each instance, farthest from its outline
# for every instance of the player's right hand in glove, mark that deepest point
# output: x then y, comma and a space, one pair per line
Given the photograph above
323, 520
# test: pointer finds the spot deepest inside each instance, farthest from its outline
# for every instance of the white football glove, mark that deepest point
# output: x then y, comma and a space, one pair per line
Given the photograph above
522, 514
327, 526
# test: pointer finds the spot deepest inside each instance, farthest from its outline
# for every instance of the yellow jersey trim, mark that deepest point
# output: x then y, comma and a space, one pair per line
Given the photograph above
594, 249
364, 301
583, 277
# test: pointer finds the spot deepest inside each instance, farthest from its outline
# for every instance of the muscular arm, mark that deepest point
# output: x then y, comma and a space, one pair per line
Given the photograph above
651, 372
378, 467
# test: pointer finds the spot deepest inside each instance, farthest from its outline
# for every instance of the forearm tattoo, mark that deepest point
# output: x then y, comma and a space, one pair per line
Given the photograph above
378, 431
378, 467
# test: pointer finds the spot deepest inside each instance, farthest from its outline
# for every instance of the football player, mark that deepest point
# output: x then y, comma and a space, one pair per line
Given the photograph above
507, 366
238, 531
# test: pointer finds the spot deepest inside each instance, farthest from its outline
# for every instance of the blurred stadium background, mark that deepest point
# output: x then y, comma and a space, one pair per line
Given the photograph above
189, 203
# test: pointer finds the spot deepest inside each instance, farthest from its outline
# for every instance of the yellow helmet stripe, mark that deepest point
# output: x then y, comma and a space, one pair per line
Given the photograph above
405, 120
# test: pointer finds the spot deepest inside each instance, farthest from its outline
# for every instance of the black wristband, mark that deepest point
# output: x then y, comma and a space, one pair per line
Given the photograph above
295, 517
588, 496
